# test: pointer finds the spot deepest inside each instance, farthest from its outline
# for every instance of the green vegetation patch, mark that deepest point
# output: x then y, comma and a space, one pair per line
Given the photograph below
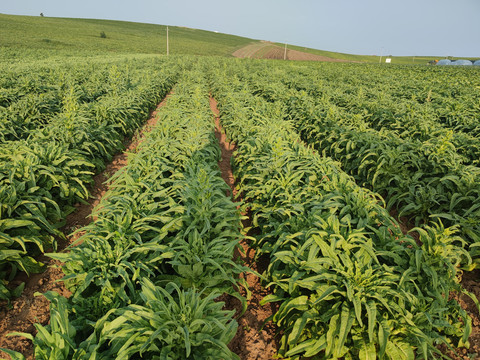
42, 37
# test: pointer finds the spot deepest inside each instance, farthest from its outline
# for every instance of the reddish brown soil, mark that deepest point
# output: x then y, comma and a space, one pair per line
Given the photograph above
250, 50
254, 340
406, 225
227, 150
279, 53
300, 55
258, 50
29, 309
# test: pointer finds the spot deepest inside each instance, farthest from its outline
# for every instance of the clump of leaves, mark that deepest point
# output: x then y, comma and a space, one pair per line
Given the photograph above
170, 323
166, 323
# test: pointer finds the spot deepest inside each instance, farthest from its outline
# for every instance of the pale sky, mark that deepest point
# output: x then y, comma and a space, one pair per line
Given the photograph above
370, 27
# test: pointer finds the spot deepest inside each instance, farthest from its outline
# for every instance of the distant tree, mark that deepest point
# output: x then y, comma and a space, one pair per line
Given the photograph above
103, 35
41, 14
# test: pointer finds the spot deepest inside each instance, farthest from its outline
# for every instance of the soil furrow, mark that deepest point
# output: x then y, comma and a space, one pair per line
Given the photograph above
254, 340
29, 309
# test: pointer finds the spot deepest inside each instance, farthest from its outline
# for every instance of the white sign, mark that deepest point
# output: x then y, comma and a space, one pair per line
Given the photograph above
388, 60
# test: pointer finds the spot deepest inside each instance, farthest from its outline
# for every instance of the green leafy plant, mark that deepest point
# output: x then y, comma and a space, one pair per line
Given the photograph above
163, 230
68, 126
349, 284
170, 323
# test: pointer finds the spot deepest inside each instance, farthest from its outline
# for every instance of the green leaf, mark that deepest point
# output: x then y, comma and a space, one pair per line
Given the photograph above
367, 351
372, 318
383, 334
332, 289
347, 318
14, 355
399, 350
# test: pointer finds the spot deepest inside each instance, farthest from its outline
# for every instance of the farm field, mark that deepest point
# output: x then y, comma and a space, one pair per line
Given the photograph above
208, 207
268, 50
290, 208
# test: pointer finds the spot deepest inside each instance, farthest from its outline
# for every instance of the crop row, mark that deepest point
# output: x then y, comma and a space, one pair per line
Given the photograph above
44, 175
349, 284
420, 104
31, 97
421, 177
412, 109
391, 96
145, 273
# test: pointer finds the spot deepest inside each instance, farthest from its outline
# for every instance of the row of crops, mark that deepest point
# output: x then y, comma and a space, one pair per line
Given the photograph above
145, 274
325, 154
59, 125
411, 136
348, 282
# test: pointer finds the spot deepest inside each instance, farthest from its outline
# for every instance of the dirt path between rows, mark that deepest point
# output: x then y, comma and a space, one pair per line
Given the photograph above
252, 342
29, 309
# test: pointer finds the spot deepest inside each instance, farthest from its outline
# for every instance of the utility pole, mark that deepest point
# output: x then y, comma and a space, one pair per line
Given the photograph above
381, 54
285, 53
167, 42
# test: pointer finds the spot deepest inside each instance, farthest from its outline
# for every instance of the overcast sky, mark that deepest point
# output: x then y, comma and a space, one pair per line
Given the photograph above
406, 27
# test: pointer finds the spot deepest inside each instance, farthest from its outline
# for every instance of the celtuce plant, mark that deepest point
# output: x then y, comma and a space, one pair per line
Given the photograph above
145, 273
164, 323
170, 323
348, 283
48, 159
390, 138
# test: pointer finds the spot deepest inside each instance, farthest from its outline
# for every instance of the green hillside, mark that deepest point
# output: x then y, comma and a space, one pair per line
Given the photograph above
44, 37
35, 37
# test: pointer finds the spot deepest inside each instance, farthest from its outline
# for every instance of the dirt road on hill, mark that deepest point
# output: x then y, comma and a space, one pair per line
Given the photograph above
268, 50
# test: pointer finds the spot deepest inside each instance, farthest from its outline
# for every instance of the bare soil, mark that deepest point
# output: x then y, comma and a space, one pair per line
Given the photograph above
267, 50
255, 339
29, 309
279, 53
250, 50
406, 225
